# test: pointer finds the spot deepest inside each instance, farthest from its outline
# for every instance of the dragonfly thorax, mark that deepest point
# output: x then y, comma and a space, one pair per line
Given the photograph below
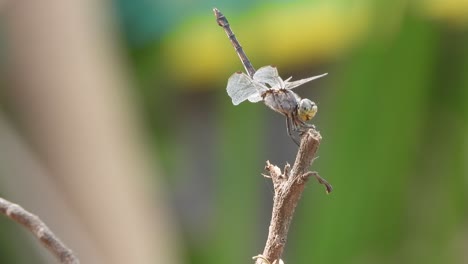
282, 101
306, 109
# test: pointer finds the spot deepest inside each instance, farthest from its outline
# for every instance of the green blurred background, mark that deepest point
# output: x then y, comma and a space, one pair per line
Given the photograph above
393, 114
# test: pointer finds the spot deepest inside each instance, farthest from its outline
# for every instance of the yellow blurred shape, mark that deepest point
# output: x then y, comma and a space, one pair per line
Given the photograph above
453, 11
297, 35
193, 54
200, 54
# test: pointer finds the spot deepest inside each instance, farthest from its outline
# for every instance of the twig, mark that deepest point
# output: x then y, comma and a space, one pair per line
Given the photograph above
288, 187
40, 230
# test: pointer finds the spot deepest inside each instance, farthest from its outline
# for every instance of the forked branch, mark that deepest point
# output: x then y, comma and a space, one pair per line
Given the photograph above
40, 231
288, 187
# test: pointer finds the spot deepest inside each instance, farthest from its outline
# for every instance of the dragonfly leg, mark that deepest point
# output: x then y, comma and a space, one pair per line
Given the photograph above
289, 128
303, 126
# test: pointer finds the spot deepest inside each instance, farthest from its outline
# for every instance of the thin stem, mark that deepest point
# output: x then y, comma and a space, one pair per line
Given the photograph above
40, 231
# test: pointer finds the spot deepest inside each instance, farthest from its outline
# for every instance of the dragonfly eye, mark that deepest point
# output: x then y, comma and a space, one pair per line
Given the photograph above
307, 109
306, 105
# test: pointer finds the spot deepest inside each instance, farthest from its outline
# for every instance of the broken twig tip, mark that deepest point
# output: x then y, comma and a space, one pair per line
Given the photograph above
262, 258
328, 187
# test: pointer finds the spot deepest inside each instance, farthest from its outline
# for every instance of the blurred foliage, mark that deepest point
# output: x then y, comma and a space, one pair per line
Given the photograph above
393, 114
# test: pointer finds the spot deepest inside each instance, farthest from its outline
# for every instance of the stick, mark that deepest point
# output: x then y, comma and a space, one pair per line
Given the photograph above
288, 187
40, 231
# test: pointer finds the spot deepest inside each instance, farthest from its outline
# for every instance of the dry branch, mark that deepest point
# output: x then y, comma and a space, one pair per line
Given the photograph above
288, 187
40, 231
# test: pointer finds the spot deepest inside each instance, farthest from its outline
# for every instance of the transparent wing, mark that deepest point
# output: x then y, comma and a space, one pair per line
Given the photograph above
291, 85
269, 75
255, 98
240, 87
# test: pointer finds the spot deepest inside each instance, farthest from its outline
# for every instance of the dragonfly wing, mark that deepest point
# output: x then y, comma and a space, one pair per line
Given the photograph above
291, 85
241, 87
269, 75
255, 98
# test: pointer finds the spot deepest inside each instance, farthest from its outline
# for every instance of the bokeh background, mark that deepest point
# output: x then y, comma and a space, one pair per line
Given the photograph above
115, 128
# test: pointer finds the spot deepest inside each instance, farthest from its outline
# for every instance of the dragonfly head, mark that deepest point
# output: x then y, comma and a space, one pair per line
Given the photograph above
306, 110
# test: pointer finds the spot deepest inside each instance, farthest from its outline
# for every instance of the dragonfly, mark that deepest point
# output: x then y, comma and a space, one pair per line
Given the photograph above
266, 85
